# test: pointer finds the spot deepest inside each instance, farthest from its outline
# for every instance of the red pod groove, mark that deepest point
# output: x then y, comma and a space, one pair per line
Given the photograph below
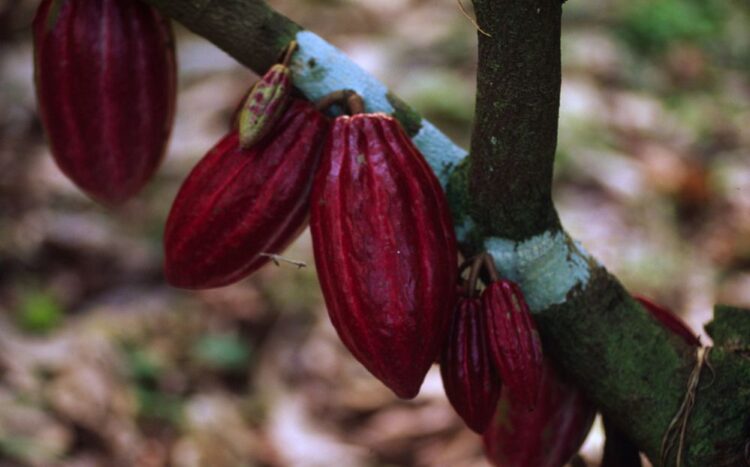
469, 376
106, 85
669, 320
238, 203
514, 341
545, 437
384, 249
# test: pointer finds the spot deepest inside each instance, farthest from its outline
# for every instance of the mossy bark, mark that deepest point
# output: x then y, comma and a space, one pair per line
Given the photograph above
631, 367
515, 126
248, 30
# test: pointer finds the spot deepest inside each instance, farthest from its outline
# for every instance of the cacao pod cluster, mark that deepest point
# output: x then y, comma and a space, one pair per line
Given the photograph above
497, 380
106, 86
548, 436
383, 241
384, 246
492, 339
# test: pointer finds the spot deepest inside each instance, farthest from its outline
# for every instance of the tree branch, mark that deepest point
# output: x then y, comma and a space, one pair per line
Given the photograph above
256, 35
515, 127
630, 366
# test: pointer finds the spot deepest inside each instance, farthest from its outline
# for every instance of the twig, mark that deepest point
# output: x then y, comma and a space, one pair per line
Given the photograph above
678, 427
473, 21
278, 259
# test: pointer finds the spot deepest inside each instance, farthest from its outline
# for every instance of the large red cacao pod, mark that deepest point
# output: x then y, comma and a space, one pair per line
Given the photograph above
545, 437
514, 340
106, 85
669, 320
469, 376
238, 203
384, 248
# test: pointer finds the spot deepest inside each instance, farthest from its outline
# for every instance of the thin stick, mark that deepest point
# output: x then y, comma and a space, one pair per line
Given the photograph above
678, 427
465, 265
476, 267
336, 97
355, 104
288, 52
473, 21
489, 262
277, 259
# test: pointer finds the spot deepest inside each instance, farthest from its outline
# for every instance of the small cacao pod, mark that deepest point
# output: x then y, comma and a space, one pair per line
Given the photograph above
264, 105
385, 249
469, 376
514, 340
237, 203
545, 437
106, 85
669, 320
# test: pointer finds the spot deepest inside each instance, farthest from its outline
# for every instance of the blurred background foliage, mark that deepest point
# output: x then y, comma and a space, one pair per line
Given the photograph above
102, 363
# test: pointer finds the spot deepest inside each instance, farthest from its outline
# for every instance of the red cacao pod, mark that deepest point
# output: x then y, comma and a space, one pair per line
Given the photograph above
384, 248
669, 320
239, 203
545, 437
514, 341
105, 81
469, 376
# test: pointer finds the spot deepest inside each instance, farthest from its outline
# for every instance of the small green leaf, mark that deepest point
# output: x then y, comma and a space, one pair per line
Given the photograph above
160, 406
223, 352
143, 365
38, 313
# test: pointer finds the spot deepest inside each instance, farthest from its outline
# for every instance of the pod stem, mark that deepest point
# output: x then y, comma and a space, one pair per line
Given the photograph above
355, 104
288, 52
476, 268
351, 101
489, 263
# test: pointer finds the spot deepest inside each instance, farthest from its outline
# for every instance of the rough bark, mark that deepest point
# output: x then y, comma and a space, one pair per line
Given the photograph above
515, 125
630, 366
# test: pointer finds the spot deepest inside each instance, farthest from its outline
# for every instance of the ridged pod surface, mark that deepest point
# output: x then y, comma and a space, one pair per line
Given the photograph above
469, 376
264, 105
238, 203
669, 320
106, 84
514, 340
545, 437
384, 248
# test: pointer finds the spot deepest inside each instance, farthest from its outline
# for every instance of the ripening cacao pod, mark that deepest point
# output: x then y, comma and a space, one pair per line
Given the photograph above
669, 320
264, 105
469, 376
105, 81
514, 340
384, 248
237, 203
545, 437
